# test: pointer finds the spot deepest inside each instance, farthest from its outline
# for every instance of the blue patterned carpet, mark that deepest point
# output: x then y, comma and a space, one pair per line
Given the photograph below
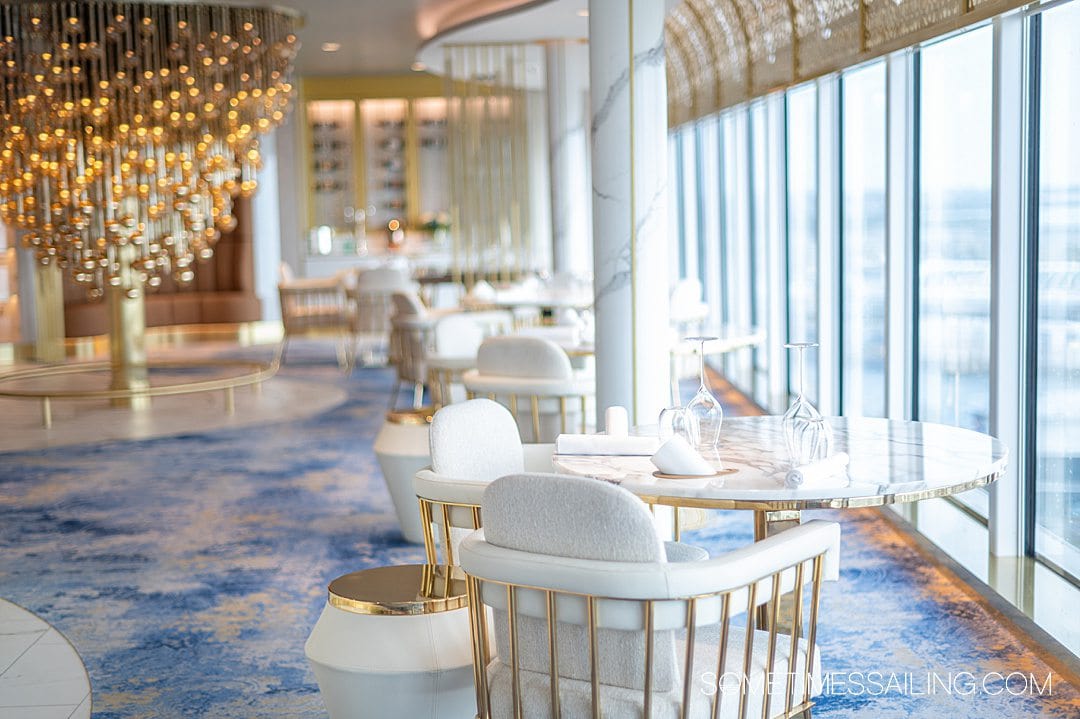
188, 572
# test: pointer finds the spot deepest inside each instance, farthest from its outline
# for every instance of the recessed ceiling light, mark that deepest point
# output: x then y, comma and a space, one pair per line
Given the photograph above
418, 66
583, 13
331, 46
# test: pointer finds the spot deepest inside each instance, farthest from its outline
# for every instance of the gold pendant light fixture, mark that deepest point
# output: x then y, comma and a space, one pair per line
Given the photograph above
134, 124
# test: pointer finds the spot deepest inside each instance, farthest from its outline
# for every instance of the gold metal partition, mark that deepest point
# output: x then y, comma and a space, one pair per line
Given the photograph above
488, 126
723, 52
766, 591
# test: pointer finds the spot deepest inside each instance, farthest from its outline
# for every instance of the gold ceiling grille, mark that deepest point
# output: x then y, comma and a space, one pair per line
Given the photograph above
723, 52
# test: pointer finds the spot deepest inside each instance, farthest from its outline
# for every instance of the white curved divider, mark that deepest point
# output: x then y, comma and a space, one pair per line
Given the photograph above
40, 671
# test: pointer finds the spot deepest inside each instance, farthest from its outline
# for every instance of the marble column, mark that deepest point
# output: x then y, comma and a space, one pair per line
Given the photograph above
629, 204
568, 143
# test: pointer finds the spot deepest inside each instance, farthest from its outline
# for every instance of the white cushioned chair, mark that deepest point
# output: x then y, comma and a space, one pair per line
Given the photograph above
456, 338
472, 444
515, 369
589, 619
372, 306
410, 339
314, 307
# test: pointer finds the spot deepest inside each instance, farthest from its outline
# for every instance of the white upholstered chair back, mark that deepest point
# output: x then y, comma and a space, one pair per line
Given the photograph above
472, 443
577, 635
534, 378
555, 517
476, 440
523, 357
458, 336
567, 516
456, 339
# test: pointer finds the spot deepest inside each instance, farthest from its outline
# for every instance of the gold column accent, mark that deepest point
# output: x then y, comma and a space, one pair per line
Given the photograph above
412, 166
127, 331
49, 316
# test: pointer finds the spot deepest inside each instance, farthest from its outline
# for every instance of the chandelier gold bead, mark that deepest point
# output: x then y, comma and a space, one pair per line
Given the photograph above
134, 123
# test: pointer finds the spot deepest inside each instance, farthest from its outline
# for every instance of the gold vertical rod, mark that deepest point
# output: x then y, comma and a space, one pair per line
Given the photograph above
452, 124
127, 331
230, 401
678, 524
513, 405
648, 658
796, 629
484, 692
476, 518
748, 648
448, 548
359, 170
562, 414
594, 658
721, 659
815, 600
429, 536
535, 400
584, 406
770, 661
46, 412
511, 611
476, 617
553, 653
688, 672
412, 165
524, 210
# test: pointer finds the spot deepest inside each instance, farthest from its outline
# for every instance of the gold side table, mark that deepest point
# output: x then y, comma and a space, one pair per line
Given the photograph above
394, 642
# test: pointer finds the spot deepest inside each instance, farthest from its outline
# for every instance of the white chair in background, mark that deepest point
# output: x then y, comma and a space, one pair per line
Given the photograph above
410, 329
315, 307
456, 339
533, 377
590, 619
372, 306
472, 443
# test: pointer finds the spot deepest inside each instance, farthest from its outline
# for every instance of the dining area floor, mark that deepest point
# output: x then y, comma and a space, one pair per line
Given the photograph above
187, 571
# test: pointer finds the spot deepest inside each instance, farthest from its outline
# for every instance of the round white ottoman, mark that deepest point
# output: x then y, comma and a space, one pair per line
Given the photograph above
394, 642
402, 450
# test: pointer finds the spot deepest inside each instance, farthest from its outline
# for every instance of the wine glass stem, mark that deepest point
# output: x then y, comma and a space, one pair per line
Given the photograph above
701, 364
802, 371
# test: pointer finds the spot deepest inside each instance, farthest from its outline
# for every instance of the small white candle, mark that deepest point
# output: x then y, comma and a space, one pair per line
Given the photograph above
616, 422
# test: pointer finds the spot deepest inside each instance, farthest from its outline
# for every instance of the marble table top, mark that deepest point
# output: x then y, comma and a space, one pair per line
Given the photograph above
891, 461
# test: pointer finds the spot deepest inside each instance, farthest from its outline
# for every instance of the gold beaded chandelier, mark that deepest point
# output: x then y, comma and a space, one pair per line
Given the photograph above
134, 124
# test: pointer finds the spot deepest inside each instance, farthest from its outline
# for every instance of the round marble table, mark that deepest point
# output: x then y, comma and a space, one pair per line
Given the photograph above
892, 461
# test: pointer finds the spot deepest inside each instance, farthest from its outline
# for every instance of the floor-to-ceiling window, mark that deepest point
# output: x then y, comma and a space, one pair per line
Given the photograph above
710, 252
1057, 392
863, 241
955, 116
738, 279
802, 231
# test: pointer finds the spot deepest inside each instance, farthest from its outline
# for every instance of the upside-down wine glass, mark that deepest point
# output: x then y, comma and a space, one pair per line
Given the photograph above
704, 407
806, 433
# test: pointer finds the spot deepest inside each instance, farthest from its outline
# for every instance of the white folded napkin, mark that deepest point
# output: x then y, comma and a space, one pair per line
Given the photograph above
601, 444
828, 472
676, 456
